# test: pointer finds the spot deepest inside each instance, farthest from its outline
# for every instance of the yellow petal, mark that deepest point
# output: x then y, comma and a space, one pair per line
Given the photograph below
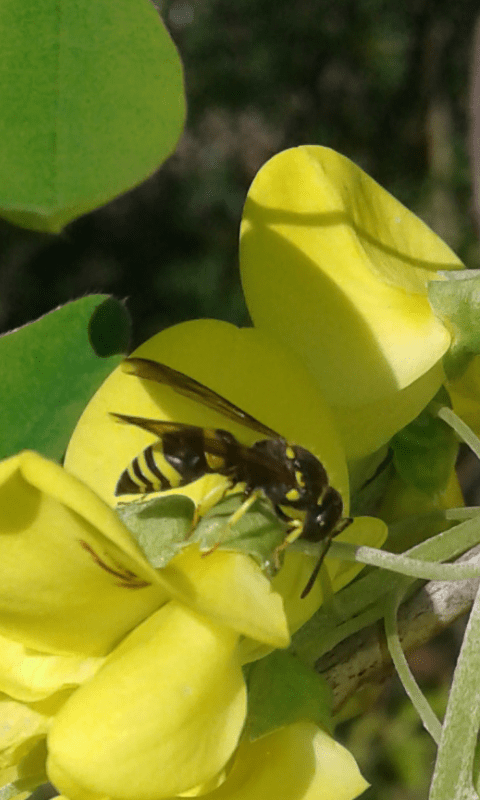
298, 762
23, 725
364, 429
337, 268
163, 714
71, 578
244, 365
29, 675
402, 500
231, 589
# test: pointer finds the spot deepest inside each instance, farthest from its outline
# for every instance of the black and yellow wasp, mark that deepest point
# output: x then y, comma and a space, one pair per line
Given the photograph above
292, 478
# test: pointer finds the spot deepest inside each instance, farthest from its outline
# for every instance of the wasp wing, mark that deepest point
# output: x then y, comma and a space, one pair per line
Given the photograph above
211, 442
158, 427
194, 390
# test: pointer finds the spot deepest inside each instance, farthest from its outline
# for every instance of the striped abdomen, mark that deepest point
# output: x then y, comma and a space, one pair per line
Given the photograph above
179, 458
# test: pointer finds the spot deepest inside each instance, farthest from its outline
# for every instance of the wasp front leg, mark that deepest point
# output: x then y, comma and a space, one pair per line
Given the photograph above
295, 528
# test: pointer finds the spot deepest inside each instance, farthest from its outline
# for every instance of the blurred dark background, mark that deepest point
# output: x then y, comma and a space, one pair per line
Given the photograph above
383, 82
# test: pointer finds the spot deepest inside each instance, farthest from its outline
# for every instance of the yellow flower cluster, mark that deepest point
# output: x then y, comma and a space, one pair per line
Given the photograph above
133, 675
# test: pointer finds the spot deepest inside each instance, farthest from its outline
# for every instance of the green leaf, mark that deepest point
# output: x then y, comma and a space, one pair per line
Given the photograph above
456, 302
92, 103
452, 778
258, 532
49, 371
109, 328
160, 525
281, 691
425, 451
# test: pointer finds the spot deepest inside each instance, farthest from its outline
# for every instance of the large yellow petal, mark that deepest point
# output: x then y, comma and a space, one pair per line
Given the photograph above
337, 269
364, 429
164, 713
71, 578
231, 589
244, 365
298, 762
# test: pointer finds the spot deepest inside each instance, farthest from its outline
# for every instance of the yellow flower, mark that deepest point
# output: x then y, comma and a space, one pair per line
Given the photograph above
337, 269
298, 762
164, 713
130, 676
64, 555
260, 376
74, 584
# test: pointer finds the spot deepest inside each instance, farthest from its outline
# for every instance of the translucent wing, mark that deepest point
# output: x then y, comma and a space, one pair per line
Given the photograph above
189, 387
211, 442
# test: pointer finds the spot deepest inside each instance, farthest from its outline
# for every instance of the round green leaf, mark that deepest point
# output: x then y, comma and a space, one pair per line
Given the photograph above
49, 370
92, 102
282, 690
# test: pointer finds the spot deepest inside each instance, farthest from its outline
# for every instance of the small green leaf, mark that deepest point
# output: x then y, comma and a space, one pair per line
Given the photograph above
281, 691
92, 101
456, 302
258, 532
109, 328
160, 525
49, 371
425, 451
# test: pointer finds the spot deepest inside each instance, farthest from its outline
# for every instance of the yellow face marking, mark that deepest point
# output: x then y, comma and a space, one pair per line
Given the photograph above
292, 494
299, 478
289, 451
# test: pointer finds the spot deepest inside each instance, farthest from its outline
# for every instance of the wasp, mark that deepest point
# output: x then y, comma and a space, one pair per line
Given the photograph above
289, 476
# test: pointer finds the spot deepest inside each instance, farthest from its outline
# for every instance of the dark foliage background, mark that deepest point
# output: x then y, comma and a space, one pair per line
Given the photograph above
385, 83
382, 82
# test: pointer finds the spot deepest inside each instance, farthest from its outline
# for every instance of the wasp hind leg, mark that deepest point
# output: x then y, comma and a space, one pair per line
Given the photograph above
236, 516
213, 496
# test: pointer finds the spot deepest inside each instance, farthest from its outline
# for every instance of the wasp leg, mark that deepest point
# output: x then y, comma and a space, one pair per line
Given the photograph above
236, 516
294, 531
211, 499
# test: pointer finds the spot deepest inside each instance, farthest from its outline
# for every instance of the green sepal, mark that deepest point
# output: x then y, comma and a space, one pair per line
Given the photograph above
456, 301
282, 690
160, 525
425, 451
50, 369
257, 533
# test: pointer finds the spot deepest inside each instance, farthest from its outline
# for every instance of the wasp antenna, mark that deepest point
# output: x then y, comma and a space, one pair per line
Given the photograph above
120, 417
129, 366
